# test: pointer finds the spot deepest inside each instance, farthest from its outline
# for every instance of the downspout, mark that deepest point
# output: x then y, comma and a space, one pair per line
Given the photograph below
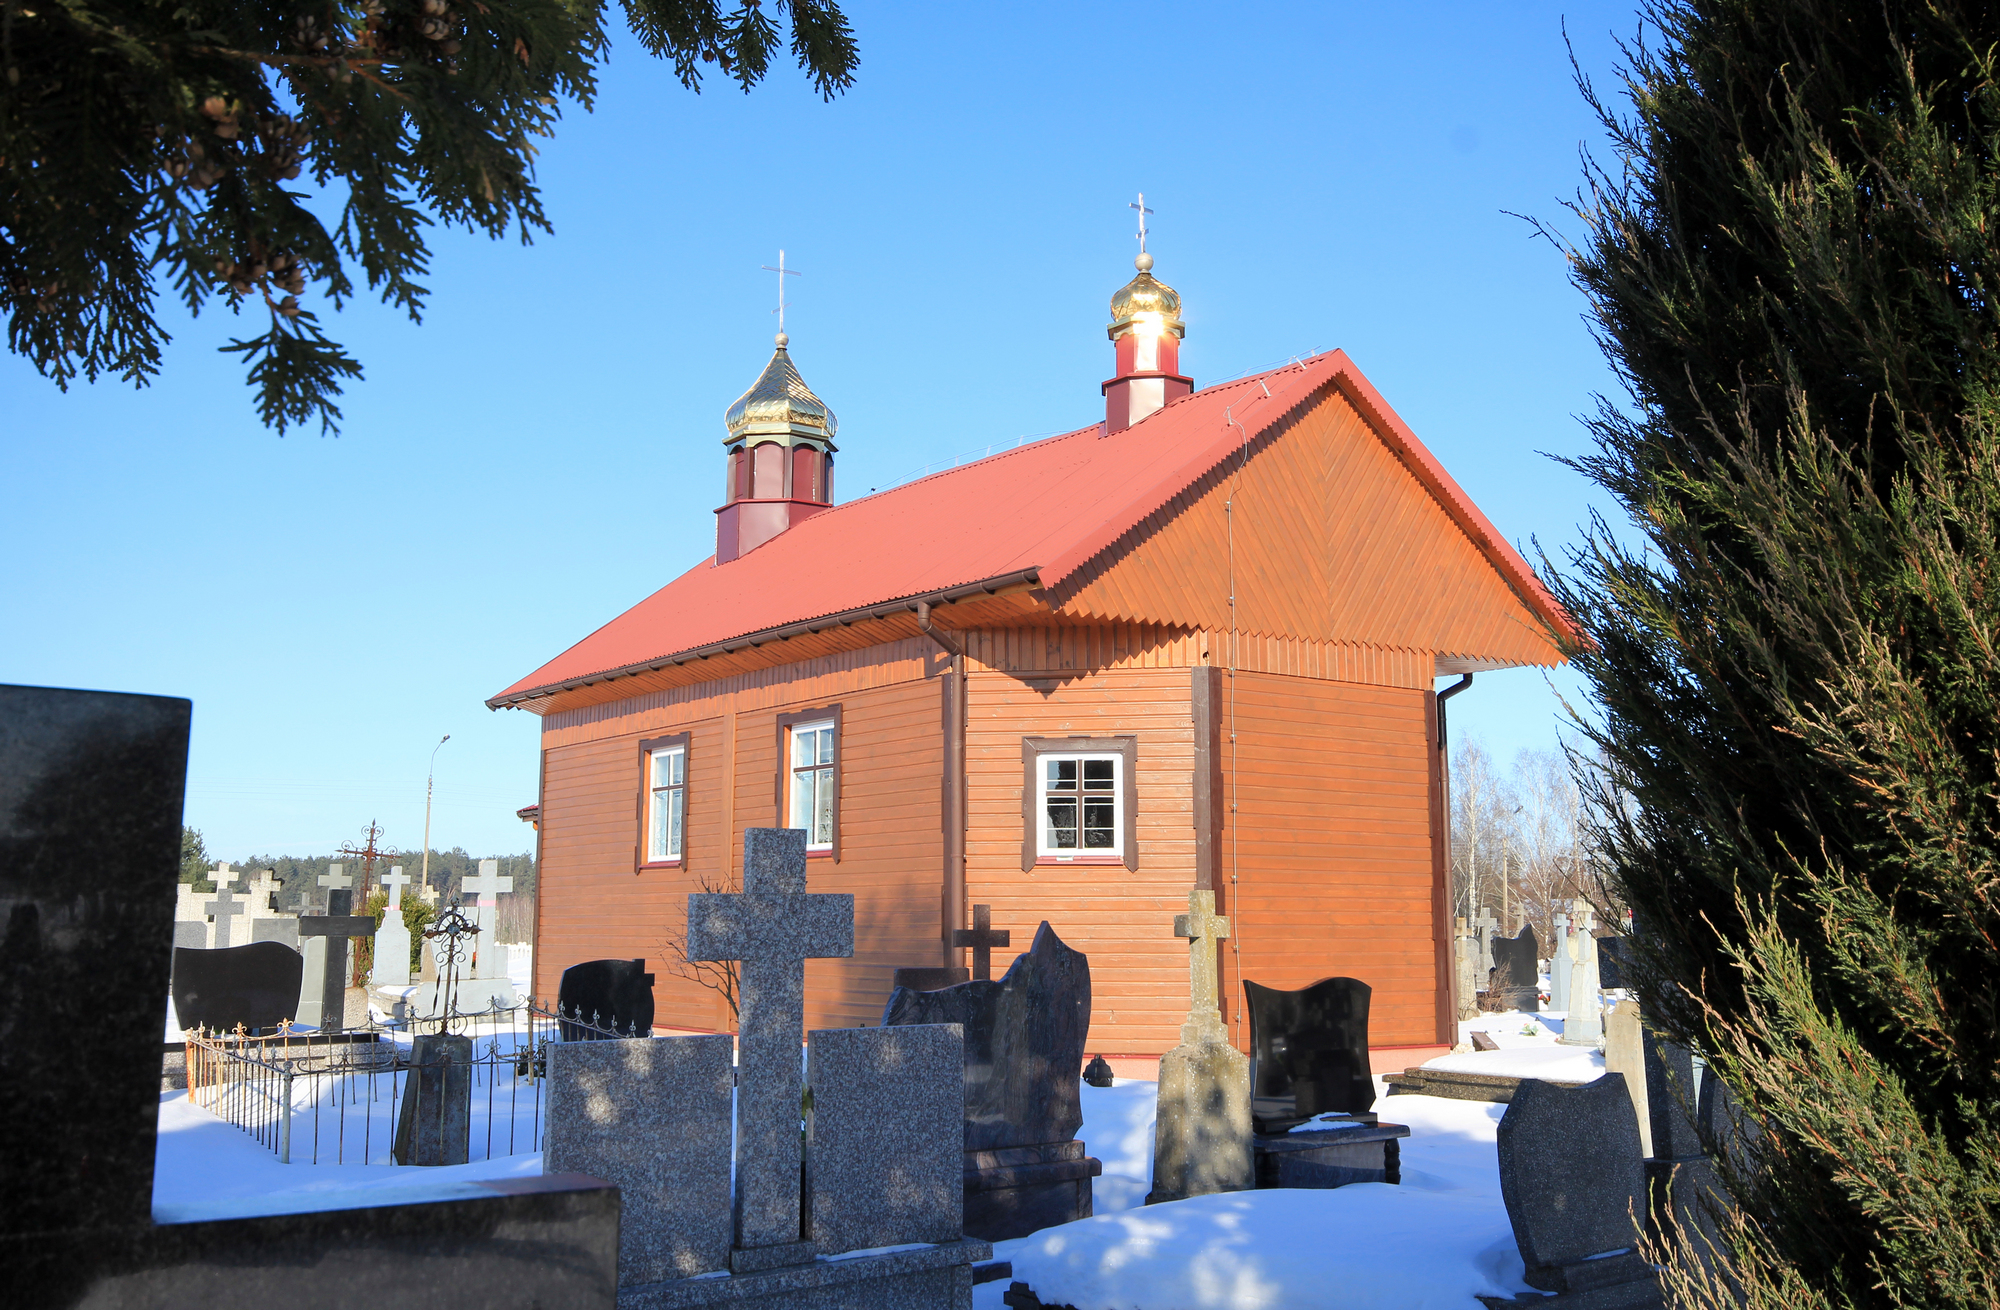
1449, 946
952, 902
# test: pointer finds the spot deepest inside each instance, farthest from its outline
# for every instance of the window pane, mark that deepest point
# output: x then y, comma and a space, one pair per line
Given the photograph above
802, 799
663, 768
1099, 775
1060, 833
802, 747
1099, 823
660, 828
1062, 775
678, 799
678, 761
822, 833
825, 736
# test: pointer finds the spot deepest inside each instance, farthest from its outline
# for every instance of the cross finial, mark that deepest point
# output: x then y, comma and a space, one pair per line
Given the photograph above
1140, 205
782, 273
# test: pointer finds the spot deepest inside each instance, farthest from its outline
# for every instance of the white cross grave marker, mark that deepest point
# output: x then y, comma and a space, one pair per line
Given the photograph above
225, 906
392, 939
395, 881
486, 885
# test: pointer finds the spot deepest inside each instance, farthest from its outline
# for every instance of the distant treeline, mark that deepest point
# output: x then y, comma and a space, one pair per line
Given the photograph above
300, 878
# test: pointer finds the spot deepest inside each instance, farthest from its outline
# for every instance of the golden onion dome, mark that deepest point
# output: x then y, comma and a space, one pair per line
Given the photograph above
780, 404
1146, 301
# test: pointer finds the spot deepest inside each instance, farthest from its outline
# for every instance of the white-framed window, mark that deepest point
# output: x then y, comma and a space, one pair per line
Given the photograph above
812, 770
1081, 800
666, 800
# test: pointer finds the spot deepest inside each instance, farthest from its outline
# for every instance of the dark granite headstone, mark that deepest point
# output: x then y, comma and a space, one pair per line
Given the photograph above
90, 814
1024, 1035
434, 1122
1575, 1192
1308, 1051
256, 986
1670, 1094
1517, 971
922, 978
615, 994
1611, 958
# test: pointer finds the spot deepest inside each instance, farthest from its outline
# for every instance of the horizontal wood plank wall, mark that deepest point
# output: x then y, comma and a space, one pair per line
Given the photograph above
1122, 919
1330, 845
1149, 646
593, 904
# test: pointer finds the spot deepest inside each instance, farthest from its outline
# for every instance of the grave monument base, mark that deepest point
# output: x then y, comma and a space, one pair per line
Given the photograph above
1330, 1158
1015, 1191
917, 1278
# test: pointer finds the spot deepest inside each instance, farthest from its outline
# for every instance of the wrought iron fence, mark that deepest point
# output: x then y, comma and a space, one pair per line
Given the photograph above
335, 1098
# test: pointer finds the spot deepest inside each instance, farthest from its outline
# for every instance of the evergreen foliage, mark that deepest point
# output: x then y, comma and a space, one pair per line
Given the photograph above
141, 138
1792, 264
195, 864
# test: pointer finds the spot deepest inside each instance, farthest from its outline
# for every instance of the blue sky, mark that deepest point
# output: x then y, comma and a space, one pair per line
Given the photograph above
545, 449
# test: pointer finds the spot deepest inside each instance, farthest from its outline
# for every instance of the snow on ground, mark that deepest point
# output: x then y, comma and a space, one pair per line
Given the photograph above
1529, 1048
1118, 1130
1437, 1239
207, 1168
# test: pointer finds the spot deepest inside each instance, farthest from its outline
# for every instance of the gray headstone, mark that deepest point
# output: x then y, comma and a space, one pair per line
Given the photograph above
884, 1137
1024, 1039
434, 1122
1559, 961
1572, 1180
1625, 1053
190, 936
651, 1114
773, 927
283, 930
1516, 977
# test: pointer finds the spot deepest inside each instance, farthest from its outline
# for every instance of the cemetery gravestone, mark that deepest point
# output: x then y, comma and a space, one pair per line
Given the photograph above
1202, 1130
982, 939
256, 986
1023, 1043
652, 1115
772, 927
884, 1137
1488, 929
1516, 979
1308, 1051
1559, 962
392, 939
192, 936
1612, 965
282, 929
489, 962
323, 1000
224, 907
1584, 1024
1573, 1186
614, 994
434, 1121
1468, 976
89, 862
1624, 1053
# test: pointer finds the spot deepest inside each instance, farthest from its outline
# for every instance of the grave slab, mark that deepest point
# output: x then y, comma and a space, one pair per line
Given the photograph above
651, 1115
884, 1137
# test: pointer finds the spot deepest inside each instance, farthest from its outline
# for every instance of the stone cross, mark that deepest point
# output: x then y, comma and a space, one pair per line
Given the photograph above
1559, 963
487, 884
1203, 928
263, 891
1486, 926
323, 1000
225, 906
339, 895
982, 939
773, 927
392, 941
395, 881
1584, 1023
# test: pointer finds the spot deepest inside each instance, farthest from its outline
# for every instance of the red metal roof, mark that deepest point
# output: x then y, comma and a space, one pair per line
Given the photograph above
1048, 507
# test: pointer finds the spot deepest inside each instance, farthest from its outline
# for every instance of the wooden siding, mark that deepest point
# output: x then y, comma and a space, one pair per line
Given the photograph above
1122, 919
596, 904
1326, 853
1078, 649
1320, 533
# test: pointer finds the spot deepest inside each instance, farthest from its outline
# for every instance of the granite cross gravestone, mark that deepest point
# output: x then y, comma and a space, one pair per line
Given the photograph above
224, 907
1308, 1052
773, 926
982, 938
255, 986
392, 939
1516, 975
652, 1115
614, 994
1583, 1024
323, 1001
1559, 962
1023, 1168
489, 961
1575, 1196
1488, 929
89, 859
1202, 1131
1467, 953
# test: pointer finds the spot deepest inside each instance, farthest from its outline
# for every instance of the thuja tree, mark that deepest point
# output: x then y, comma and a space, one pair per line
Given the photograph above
142, 139
1791, 261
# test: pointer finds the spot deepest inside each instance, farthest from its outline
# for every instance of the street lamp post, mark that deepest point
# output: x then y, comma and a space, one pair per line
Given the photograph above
425, 878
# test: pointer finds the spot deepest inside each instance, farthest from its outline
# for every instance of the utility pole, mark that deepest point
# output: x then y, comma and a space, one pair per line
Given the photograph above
424, 880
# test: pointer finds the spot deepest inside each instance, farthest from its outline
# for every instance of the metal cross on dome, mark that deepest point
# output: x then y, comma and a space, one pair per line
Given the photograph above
782, 273
1143, 211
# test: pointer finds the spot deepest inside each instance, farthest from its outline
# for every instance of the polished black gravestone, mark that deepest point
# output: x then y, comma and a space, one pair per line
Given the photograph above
1517, 971
1024, 1035
1575, 1195
90, 815
615, 994
255, 986
434, 1122
1308, 1052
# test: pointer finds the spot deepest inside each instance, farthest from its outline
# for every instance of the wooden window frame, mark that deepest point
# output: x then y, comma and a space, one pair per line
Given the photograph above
1032, 750
783, 781
683, 740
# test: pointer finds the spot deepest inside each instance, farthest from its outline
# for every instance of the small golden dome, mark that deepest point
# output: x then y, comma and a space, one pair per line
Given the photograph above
780, 404
1146, 301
